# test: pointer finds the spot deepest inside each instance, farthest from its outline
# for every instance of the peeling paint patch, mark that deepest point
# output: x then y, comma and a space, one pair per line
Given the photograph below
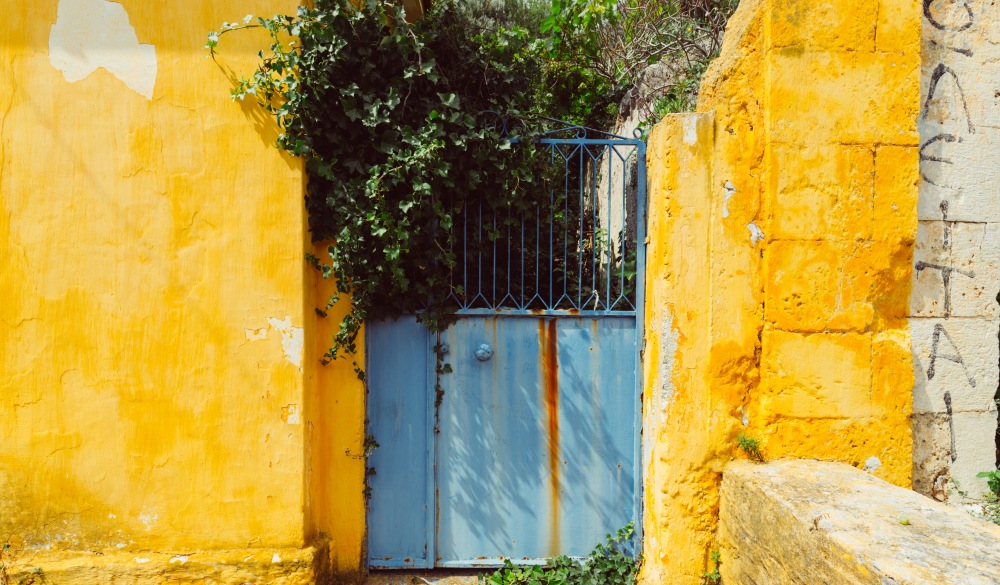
668, 355
92, 34
275, 558
141, 560
872, 463
182, 559
256, 334
690, 129
148, 519
291, 414
292, 339
730, 191
756, 234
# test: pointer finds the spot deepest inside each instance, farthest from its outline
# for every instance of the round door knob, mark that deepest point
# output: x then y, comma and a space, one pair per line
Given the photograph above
444, 349
484, 352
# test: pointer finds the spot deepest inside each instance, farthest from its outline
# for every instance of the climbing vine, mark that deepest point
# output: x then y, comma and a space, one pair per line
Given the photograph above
398, 123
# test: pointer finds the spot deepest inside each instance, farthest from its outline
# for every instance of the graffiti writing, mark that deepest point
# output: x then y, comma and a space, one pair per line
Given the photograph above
956, 357
937, 21
939, 72
951, 426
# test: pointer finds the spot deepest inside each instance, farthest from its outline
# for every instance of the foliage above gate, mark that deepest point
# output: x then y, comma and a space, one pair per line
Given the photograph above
390, 118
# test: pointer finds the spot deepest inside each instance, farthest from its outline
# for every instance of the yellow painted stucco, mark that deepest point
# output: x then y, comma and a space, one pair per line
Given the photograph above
159, 381
782, 221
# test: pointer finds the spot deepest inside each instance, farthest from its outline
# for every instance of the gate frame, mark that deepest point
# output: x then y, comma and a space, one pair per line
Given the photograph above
581, 139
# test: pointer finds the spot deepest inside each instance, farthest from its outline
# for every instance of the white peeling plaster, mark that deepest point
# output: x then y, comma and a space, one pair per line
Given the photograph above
275, 558
872, 463
730, 191
121, 545
148, 519
182, 559
756, 234
292, 339
668, 355
291, 414
690, 129
746, 416
141, 560
91, 34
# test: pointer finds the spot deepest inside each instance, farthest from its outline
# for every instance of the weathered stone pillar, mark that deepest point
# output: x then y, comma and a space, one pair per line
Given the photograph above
954, 313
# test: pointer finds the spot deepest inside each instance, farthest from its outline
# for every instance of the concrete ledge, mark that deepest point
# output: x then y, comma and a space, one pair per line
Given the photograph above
798, 521
257, 566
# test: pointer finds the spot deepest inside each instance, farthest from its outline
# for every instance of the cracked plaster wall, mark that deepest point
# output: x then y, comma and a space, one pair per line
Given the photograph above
158, 349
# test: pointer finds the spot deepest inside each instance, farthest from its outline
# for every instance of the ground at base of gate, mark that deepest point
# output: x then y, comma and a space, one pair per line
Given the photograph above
422, 578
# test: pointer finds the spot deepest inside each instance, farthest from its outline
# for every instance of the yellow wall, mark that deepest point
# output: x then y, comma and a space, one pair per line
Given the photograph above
158, 347
782, 220
160, 384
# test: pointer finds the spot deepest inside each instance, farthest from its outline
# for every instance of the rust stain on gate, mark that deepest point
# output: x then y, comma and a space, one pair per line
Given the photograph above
548, 346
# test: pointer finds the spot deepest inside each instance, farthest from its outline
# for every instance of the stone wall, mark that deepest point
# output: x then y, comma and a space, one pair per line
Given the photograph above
831, 523
954, 313
782, 222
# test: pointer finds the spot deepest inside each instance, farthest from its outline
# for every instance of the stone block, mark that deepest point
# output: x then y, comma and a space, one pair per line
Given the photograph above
958, 173
957, 357
897, 180
963, 69
809, 522
892, 372
881, 445
821, 375
848, 25
932, 456
819, 285
821, 191
899, 25
949, 451
955, 270
856, 97
823, 285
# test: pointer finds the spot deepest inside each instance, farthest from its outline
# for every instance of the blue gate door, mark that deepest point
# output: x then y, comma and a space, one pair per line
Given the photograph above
523, 440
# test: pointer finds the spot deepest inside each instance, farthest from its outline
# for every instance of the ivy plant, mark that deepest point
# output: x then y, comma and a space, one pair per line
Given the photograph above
608, 564
397, 124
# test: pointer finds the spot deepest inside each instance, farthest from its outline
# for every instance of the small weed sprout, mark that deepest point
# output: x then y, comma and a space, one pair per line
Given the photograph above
712, 577
991, 501
750, 446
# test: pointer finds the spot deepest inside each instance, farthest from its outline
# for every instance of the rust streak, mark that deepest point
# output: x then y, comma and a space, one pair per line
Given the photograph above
548, 346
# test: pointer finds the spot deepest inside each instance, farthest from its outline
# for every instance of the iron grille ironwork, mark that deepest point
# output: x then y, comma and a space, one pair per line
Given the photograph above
578, 255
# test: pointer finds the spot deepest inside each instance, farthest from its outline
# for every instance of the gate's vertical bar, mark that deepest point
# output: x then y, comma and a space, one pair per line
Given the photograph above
593, 237
640, 327
493, 275
607, 212
623, 293
579, 234
552, 231
465, 254
479, 247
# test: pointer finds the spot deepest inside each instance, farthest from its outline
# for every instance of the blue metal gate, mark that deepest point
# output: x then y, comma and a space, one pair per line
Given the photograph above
530, 448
